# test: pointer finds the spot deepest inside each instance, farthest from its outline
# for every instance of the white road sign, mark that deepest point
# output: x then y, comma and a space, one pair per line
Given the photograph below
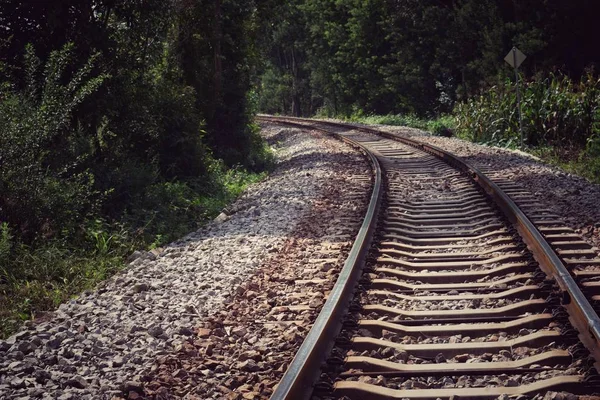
515, 55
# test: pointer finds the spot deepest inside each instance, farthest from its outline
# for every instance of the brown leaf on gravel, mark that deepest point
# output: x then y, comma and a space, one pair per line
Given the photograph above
203, 332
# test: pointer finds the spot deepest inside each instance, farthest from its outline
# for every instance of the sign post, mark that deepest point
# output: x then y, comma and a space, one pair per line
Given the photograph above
516, 58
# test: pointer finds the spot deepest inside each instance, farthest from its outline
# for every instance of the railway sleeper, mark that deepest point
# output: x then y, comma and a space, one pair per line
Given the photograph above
360, 390
458, 276
535, 321
487, 314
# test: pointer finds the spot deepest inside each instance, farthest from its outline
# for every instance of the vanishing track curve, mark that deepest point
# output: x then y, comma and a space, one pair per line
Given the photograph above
451, 290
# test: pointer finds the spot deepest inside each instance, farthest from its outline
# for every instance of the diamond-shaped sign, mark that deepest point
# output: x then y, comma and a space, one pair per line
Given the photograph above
515, 58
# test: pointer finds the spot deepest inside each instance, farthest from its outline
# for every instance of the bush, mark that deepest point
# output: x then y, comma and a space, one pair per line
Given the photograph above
443, 126
166, 211
93, 167
260, 157
556, 111
44, 184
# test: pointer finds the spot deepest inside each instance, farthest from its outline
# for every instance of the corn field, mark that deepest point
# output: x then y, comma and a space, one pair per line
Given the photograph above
556, 112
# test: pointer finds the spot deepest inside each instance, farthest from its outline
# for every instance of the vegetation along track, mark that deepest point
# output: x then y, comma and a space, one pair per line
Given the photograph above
451, 290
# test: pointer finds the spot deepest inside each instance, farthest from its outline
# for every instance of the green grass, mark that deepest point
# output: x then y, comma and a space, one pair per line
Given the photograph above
443, 125
577, 162
37, 278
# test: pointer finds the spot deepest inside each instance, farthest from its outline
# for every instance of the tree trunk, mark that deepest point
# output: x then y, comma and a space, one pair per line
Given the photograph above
217, 39
295, 96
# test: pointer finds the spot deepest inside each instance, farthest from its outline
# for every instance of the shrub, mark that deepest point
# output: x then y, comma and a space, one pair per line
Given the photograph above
260, 156
556, 111
166, 211
44, 185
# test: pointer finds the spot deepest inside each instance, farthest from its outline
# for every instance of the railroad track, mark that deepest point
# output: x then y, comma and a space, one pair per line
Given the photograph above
451, 290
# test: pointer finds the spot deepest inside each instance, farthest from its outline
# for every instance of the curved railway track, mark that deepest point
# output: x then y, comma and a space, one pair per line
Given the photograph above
451, 290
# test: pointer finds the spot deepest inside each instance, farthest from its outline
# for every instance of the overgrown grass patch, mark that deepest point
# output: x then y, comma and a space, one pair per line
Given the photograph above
574, 161
443, 125
36, 280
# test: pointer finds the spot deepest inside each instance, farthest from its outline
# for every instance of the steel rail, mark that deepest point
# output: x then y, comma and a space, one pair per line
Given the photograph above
304, 370
581, 313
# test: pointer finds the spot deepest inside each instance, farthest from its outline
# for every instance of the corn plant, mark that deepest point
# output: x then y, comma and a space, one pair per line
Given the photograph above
556, 112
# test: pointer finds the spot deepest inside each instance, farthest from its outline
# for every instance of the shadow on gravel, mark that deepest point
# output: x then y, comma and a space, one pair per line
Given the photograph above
273, 283
287, 132
309, 161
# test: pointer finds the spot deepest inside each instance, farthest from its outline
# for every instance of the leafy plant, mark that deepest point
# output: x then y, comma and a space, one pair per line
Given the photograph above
556, 111
41, 178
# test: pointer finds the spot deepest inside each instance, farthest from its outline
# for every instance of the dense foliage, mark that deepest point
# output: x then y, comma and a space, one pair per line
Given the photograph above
123, 124
413, 56
561, 119
551, 106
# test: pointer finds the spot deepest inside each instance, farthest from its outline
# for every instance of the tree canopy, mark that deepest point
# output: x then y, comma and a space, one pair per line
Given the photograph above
414, 56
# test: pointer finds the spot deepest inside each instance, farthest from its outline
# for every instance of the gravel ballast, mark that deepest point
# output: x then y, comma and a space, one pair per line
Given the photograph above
226, 306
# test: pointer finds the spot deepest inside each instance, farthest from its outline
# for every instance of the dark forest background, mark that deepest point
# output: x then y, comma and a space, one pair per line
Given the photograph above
413, 56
